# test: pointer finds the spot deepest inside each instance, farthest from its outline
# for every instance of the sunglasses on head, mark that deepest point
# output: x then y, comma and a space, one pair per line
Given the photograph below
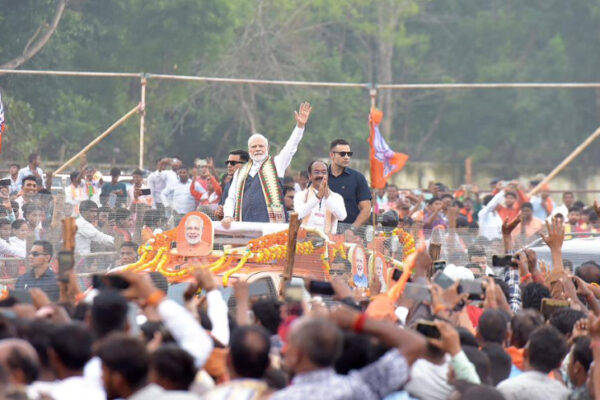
230, 162
35, 253
344, 153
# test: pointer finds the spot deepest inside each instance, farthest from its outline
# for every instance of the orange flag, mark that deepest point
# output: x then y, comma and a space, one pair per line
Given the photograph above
384, 161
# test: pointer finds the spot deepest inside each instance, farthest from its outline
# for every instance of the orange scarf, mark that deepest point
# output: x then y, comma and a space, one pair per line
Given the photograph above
516, 355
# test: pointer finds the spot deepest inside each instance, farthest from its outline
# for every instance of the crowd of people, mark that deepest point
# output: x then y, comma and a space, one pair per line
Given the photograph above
465, 326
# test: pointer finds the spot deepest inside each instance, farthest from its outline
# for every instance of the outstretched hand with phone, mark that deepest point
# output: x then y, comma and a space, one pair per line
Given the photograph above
449, 340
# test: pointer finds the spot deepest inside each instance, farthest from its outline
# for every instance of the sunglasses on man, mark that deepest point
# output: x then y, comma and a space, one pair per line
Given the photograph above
231, 162
36, 254
344, 153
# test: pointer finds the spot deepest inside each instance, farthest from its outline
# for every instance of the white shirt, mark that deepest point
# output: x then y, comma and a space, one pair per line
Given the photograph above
562, 209
429, 381
88, 233
533, 385
281, 160
157, 182
15, 185
74, 195
186, 331
144, 199
177, 196
316, 208
20, 245
490, 223
10, 250
217, 313
75, 387
25, 172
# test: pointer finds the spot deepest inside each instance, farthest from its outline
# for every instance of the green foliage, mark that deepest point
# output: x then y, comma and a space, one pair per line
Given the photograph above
398, 41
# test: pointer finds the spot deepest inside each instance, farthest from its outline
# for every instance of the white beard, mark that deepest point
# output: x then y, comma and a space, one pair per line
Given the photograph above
259, 158
193, 241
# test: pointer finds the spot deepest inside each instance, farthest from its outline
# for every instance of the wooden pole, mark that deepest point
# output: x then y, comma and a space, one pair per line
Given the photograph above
291, 250
565, 162
69, 230
97, 140
142, 119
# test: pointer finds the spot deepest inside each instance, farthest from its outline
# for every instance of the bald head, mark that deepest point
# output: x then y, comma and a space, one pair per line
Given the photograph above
319, 339
20, 360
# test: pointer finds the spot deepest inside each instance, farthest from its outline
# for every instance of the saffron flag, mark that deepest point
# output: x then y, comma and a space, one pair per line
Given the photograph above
1, 121
384, 161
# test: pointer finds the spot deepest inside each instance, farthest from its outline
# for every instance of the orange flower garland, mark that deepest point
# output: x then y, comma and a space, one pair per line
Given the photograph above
406, 240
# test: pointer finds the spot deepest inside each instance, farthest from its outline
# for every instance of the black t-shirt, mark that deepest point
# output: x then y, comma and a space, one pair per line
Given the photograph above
353, 187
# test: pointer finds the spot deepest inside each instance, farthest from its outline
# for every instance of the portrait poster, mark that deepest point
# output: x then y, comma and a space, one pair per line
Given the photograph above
195, 235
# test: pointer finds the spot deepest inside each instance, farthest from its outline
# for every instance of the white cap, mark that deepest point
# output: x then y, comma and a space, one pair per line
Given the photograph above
456, 273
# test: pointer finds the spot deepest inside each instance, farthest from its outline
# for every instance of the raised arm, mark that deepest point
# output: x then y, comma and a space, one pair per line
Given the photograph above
284, 158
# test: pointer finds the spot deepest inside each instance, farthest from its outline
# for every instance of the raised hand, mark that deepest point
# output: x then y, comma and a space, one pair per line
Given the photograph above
302, 114
556, 235
508, 227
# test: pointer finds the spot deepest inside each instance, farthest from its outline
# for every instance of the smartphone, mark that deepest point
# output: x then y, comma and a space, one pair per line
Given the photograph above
109, 281
5, 182
443, 280
320, 287
145, 192
21, 295
439, 265
428, 329
474, 287
396, 274
66, 263
550, 306
293, 294
417, 292
501, 260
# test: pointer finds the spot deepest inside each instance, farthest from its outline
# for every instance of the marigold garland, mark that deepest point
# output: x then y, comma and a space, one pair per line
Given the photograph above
406, 240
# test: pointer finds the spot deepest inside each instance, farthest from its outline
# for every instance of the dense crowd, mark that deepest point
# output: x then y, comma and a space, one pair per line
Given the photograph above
480, 317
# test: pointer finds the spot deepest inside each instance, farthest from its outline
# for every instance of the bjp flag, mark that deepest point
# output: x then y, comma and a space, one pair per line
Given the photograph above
384, 161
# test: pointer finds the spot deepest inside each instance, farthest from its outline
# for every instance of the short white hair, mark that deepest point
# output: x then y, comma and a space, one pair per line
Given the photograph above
195, 218
257, 136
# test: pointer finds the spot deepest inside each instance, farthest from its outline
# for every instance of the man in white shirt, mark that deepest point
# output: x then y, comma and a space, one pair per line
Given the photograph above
157, 182
13, 175
33, 169
70, 349
544, 352
490, 223
86, 231
317, 205
29, 192
7, 249
255, 193
568, 201
134, 193
177, 194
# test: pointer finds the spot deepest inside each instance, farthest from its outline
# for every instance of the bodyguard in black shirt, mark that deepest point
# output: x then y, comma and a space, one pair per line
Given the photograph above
40, 274
350, 184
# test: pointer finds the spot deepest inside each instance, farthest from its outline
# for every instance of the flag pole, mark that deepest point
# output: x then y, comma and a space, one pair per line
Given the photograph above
373, 95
